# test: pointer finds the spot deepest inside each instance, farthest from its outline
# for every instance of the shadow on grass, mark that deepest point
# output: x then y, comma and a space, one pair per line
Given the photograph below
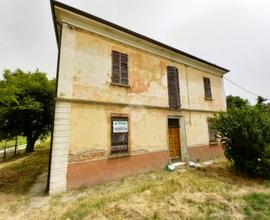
18, 175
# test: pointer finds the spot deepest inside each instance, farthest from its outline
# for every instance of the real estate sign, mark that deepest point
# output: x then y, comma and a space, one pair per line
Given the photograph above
120, 126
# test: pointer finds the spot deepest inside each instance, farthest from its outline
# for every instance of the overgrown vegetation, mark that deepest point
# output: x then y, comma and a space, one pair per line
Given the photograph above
215, 192
245, 133
26, 106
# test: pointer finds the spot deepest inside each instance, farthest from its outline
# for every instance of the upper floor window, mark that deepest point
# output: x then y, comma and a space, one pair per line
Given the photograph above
119, 68
173, 87
207, 88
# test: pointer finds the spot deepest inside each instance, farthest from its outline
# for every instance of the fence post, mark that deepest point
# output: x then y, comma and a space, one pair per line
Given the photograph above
5, 153
16, 142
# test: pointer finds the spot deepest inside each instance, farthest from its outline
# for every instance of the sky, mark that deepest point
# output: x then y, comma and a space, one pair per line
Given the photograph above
234, 34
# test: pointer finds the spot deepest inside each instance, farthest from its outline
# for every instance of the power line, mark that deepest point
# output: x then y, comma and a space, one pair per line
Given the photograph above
241, 87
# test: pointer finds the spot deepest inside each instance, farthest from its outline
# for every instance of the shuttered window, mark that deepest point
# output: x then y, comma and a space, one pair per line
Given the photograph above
119, 68
207, 88
173, 87
212, 133
119, 135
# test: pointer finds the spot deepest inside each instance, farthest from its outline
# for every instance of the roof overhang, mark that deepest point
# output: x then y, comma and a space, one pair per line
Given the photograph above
63, 13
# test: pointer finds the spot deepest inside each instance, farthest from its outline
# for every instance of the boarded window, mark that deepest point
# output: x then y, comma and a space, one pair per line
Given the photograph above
119, 68
207, 88
212, 133
119, 135
173, 87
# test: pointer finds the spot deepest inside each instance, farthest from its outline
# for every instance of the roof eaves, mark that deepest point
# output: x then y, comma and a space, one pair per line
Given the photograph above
90, 16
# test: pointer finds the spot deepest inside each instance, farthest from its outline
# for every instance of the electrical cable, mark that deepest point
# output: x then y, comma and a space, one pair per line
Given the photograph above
241, 87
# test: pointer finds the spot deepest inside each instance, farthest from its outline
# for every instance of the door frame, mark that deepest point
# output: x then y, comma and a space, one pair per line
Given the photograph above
182, 135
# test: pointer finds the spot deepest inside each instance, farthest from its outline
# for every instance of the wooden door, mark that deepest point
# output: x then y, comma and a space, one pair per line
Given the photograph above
174, 139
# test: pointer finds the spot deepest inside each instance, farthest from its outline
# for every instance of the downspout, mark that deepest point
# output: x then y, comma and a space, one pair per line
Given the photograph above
188, 95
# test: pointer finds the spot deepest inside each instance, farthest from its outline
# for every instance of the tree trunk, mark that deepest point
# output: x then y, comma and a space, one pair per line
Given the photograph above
30, 144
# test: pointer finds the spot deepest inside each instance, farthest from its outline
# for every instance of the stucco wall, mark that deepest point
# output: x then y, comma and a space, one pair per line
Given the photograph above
148, 128
85, 73
197, 128
86, 99
90, 128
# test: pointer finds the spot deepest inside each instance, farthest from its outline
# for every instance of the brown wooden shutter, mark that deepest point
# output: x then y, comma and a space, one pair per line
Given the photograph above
115, 67
173, 87
119, 68
207, 88
124, 69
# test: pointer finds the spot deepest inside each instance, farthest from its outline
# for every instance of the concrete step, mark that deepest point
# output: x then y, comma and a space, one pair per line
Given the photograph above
179, 165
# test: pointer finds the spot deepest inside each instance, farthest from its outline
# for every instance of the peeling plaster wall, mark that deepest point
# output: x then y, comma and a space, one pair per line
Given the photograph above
146, 134
85, 73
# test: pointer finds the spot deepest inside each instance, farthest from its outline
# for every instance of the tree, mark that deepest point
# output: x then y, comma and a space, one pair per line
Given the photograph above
236, 102
261, 100
245, 133
26, 105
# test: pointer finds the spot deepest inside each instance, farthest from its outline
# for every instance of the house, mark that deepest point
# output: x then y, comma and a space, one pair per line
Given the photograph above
126, 103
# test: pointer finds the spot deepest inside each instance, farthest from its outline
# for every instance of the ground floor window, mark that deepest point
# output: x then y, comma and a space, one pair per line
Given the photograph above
212, 133
119, 135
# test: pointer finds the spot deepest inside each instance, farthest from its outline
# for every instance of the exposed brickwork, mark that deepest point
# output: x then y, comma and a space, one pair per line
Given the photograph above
99, 171
87, 155
206, 152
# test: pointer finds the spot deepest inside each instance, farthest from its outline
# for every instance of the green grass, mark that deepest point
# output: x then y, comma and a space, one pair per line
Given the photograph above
215, 192
17, 175
11, 143
257, 206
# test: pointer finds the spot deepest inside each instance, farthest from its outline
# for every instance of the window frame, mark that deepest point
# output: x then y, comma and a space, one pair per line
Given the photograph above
206, 82
120, 69
211, 141
127, 152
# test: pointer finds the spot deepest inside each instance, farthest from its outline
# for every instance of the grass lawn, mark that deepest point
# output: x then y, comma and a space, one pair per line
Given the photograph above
215, 192
11, 143
17, 175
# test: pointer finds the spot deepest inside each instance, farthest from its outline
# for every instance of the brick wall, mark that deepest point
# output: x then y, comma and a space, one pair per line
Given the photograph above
206, 152
99, 171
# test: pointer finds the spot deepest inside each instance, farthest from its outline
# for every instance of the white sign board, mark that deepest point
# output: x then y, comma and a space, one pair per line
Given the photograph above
120, 126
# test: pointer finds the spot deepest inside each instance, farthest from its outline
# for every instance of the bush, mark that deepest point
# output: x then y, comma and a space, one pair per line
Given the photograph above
245, 133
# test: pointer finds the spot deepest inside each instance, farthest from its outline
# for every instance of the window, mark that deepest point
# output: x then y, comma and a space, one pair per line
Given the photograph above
119, 68
119, 135
207, 88
212, 133
173, 87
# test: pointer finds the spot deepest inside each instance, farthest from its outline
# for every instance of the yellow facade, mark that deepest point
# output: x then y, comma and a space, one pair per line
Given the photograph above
85, 75
87, 99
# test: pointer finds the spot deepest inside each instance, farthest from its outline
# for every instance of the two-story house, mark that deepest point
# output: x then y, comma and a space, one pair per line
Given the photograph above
126, 103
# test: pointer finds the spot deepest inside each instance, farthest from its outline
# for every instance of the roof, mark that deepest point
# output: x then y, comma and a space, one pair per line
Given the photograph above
125, 30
